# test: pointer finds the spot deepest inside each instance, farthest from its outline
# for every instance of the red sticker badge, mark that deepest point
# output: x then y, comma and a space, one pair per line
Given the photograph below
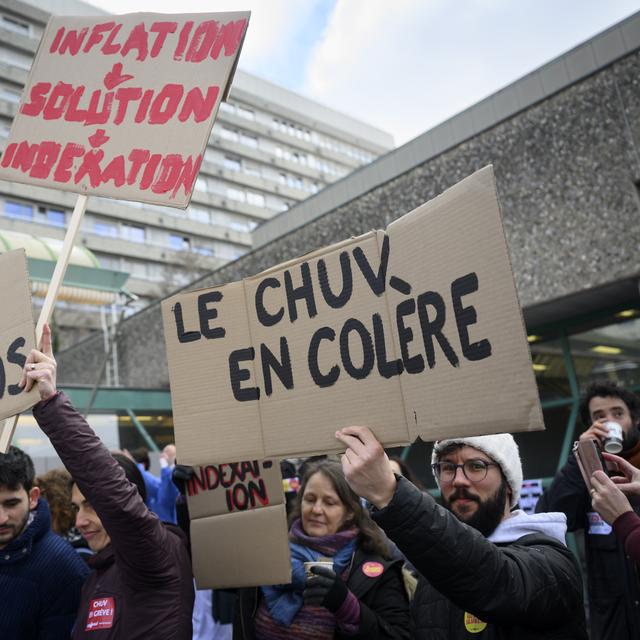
372, 569
101, 614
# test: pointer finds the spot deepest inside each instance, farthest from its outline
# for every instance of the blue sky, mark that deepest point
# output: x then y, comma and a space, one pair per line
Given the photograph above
402, 65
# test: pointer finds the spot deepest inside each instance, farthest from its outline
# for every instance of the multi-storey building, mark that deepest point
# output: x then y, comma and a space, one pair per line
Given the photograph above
269, 149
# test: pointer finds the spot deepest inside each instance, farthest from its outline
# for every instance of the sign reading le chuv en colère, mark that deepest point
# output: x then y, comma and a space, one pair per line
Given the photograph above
413, 331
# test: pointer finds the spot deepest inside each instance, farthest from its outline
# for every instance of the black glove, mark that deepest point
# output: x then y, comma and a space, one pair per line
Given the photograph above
181, 475
325, 588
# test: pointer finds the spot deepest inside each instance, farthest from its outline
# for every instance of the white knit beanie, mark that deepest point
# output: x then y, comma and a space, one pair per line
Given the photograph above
501, 448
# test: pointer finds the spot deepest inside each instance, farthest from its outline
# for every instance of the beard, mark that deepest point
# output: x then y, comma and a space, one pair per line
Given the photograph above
14, 530
488, 514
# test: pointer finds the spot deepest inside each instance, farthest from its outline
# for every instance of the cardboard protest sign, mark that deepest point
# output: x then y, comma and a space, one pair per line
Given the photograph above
238, 525
17, 333
122, 106
413, 331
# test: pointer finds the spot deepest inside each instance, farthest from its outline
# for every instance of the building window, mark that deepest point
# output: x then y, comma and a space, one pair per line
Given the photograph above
10, 95
236, 194
229, 134
251, 170
201, 184
228, 107
105, 229
256, 199
203, 251
56, 217
233, 164
133, 233
15, 59
246, 113
249, 141
198, 214
16, 25
179, 243
18, 210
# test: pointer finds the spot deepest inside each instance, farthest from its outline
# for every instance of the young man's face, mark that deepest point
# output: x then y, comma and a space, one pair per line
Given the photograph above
614, 409
15, 505
88, 522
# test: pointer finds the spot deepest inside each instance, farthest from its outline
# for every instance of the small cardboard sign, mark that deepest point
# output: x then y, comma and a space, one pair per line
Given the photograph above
17, 333
122, 106
413, 331
238, 525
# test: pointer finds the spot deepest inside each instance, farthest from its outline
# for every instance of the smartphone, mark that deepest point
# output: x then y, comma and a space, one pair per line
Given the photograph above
589, 457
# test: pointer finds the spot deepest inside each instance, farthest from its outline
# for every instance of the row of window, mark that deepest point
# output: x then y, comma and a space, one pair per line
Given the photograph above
138, 233
238, 109
302, 133
283, 153
42, 214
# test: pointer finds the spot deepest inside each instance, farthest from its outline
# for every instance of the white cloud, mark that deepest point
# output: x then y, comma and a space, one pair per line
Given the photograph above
406, 66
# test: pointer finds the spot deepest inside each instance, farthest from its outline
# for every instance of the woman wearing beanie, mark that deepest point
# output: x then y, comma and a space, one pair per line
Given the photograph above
359, 593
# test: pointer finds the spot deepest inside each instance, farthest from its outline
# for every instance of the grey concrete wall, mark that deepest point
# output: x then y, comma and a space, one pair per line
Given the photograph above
567, 170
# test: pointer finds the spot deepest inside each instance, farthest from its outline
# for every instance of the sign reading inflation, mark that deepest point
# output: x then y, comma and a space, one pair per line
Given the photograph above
123, 106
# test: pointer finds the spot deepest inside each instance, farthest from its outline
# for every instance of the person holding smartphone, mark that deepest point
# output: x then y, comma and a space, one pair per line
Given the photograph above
612, 577
611, 497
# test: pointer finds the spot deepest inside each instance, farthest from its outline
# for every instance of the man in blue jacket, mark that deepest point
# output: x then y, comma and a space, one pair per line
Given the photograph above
41, 575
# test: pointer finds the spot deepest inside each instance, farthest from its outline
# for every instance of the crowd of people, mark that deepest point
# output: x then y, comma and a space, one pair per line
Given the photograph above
95, 551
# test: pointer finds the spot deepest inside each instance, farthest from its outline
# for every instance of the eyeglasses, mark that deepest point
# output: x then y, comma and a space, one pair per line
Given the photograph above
474, 470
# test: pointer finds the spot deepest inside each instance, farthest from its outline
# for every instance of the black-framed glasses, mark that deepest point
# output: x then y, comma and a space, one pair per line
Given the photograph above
474, 470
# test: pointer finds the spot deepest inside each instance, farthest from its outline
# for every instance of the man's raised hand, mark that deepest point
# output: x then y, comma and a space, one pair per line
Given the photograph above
366, 466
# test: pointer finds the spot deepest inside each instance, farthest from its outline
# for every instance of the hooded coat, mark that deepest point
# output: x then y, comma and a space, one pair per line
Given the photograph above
40, 580
522, 583
141, 585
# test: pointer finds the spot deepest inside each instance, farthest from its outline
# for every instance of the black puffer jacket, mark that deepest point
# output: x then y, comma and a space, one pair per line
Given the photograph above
473, 588
614, 587
384, 609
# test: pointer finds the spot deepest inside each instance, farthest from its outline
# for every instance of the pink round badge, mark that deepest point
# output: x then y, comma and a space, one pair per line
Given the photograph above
372, 569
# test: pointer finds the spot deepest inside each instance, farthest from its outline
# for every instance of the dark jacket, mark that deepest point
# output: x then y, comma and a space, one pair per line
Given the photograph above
614, 589
141, 585
471, 587
40, 581
384, 608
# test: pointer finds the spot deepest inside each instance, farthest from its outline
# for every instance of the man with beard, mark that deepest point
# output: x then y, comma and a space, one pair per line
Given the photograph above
613, 585
41, 575
487, 570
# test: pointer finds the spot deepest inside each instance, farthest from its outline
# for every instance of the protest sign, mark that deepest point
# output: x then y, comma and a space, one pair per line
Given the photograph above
122, 106
238, 525
413, 331
17, 334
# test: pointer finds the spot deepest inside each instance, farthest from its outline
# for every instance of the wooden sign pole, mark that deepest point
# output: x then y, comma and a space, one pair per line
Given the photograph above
7, 430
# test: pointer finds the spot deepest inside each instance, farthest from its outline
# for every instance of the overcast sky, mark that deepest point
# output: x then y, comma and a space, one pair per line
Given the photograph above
402, 65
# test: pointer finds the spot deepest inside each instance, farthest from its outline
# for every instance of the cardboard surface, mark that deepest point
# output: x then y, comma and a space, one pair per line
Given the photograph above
17, 333
414, 331
122, 106
238, 525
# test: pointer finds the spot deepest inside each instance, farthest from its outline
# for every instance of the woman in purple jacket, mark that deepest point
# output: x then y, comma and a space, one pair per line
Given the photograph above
141, 585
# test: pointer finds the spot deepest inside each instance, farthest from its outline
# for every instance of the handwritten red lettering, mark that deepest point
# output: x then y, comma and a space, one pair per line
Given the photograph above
163, 29
97, 34
73, 41
183, 40
138, 39
66, 102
